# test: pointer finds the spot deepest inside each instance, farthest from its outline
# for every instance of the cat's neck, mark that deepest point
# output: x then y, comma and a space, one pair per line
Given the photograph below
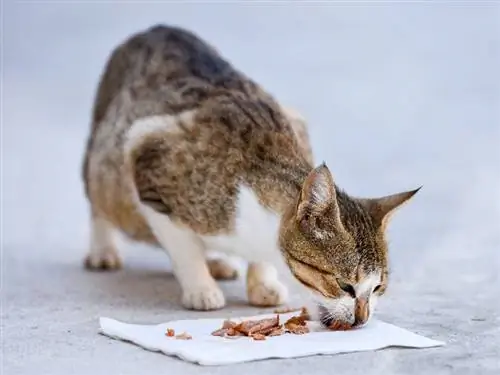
277, 185
274, 163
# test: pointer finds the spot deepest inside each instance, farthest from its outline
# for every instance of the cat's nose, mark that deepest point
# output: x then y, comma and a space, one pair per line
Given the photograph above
361, 312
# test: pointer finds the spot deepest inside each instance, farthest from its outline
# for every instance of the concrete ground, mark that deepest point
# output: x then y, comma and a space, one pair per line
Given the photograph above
397, 95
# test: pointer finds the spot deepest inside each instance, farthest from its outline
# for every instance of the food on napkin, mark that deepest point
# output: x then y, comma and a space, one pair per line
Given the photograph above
207, 350
182, 336
262, 328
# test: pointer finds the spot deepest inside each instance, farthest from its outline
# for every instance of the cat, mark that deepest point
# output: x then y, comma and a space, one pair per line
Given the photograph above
188, 154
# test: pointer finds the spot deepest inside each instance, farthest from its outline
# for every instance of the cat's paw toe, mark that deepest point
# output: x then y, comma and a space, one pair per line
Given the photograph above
103, 261
222, 270
203, 298
267, 293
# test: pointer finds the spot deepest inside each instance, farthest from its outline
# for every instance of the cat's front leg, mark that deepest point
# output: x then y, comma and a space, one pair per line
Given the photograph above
263, 285
199, 289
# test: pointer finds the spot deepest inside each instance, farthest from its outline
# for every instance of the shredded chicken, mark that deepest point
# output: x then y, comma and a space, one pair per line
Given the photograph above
303, 311
170, 332
263, 328
260, 329
339, 326
183, 336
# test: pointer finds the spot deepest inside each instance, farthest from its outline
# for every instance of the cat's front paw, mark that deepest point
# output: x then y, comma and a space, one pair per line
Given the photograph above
267, 293
203, 298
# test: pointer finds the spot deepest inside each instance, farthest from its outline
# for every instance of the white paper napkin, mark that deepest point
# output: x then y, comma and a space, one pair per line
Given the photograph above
207, 350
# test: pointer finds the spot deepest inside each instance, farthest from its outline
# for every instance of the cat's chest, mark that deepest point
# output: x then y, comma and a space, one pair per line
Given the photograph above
255, 235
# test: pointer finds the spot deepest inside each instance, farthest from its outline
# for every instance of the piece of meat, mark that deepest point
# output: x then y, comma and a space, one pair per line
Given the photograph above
246, 326
258, 336
304, 313
297, 325
265, 325
260, 329
250, 327
296, 321
229, 324
228, 330
183, 336
231, 332
170, 332
220, 332
339, 326
297, 329
277, 331
234, 332
267, 331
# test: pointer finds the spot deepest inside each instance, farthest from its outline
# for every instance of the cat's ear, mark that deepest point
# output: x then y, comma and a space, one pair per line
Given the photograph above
381, 209
317, 195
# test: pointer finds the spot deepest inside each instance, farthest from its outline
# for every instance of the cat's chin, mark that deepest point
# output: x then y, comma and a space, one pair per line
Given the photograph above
332, 322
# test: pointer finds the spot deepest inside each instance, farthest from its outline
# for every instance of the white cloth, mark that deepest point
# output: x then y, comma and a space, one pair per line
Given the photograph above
207, 350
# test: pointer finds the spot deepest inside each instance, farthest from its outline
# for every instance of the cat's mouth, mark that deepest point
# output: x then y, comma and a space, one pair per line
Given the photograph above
332, 322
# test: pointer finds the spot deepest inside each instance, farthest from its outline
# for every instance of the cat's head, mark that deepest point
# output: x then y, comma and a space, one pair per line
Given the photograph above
335, 246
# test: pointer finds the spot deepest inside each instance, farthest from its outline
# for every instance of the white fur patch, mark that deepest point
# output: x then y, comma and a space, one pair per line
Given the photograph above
255, 239
102, 246
343, 308
365, 288
373, 304
152, 124
256, 231
102, 235
199, 289
181, 243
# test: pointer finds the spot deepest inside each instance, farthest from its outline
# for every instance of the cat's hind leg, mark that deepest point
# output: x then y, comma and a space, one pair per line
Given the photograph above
103, 255
221, 268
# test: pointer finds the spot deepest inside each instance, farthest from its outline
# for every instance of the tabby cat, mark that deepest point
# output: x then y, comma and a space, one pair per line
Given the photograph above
189, 154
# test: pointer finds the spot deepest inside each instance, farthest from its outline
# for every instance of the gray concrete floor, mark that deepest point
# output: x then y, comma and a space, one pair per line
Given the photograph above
397, 95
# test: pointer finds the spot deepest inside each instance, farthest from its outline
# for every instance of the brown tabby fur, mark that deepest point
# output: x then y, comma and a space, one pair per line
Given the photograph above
238, 134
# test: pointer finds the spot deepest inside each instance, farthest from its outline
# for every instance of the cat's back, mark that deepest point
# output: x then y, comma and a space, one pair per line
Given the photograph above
162, 71
167, 63
169, 105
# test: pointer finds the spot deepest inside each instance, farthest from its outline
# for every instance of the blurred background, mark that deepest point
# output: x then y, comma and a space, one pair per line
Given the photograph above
396, 94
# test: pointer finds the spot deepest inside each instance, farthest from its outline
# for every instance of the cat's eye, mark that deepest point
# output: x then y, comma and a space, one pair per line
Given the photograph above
377, 288
346, 288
